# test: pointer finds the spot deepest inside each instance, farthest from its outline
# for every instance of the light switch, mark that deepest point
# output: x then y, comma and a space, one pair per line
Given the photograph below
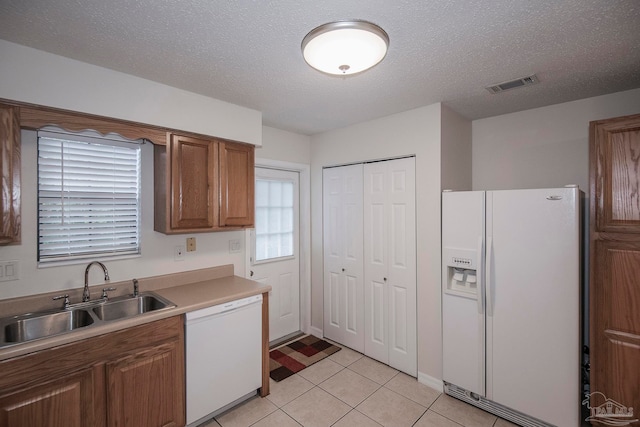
234, 246
9, 270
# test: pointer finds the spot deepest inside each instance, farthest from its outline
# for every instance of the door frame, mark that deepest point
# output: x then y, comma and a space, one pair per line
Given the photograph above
305, 235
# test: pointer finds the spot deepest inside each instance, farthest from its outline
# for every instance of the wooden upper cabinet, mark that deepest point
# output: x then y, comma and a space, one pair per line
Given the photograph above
237, 184
10, 169
203, 185
193, 183
615, 166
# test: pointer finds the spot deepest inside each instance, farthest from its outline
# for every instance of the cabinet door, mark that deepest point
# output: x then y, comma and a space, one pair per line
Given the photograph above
147, 388
615, 322
236, 184
193, 183
75, 400
615, 163
10, 175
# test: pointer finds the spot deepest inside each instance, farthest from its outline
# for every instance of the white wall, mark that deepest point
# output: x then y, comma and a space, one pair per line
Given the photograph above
37, 77
412, 132
157, 248
542, 147
284, 146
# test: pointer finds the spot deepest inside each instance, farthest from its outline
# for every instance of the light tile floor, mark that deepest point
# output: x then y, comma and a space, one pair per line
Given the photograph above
348, 389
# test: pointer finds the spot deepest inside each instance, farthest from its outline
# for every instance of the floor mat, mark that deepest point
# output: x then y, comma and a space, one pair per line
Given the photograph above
294, 357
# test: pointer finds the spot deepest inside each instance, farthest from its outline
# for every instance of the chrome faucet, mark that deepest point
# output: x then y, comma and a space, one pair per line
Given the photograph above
85, 292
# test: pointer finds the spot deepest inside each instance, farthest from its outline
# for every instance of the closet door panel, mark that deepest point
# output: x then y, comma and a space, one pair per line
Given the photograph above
401, 276
343, 251
376, 250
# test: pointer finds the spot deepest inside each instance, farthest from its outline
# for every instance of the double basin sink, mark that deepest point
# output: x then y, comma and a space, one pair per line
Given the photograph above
31, 326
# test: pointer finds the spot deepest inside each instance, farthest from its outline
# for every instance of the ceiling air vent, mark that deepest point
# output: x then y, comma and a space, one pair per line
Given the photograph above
512, 84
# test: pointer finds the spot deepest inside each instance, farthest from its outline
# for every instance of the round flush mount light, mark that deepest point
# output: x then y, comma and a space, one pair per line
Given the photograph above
345, 47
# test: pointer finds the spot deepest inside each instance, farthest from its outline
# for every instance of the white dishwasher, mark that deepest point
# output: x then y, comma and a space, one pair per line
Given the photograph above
223, 355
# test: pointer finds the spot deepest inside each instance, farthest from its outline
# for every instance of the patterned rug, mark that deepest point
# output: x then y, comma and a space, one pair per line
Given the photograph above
294, 357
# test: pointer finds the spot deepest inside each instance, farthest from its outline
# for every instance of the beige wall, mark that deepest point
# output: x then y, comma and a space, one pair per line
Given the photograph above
42, 78
542, 147
414, 132
456, 164
284, 146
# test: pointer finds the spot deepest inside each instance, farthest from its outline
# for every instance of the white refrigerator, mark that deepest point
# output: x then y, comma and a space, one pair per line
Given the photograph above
511, 302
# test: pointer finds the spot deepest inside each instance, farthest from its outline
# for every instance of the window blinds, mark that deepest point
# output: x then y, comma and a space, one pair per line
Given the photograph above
88, 197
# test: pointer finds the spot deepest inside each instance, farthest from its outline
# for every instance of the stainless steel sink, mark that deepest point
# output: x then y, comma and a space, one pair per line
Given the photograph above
38, 325
27, 327
121, 308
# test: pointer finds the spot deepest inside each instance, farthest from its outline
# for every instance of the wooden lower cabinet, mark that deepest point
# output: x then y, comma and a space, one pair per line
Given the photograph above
134, 377
615, 314
75, 400
143, 388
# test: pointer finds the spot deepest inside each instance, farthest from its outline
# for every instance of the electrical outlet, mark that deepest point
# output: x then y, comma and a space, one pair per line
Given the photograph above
191, 244
9, 270
234, 246
178, 253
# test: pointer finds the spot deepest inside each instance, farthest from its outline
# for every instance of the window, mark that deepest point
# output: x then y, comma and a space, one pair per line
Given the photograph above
88, 197
274, 219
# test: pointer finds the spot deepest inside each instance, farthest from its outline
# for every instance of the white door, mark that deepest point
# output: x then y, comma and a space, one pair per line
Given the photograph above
342, 230
390, 263
275, 247
533, 302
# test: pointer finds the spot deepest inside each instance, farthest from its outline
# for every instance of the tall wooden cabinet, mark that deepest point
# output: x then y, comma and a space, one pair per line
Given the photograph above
370, 260
615, 260
10, 174
203, 185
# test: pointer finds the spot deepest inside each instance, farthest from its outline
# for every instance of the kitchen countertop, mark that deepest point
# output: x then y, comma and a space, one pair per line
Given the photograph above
189, 291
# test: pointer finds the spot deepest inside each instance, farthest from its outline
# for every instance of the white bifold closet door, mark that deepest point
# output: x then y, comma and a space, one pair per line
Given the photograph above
343, 274
370, 260
390, 263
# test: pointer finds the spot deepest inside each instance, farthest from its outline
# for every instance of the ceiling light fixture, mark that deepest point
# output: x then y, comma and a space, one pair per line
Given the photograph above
345, 47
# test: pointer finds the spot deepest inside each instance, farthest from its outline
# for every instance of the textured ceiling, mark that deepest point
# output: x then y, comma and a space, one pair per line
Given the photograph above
248, 52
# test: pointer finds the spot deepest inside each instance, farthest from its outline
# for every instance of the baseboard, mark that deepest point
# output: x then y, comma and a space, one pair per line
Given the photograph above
430, 381
316, 332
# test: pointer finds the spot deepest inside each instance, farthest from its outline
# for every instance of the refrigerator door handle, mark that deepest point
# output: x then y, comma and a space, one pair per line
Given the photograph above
480, 278
489, 279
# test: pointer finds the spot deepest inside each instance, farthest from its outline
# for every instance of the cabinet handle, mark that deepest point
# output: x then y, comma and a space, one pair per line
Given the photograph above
251, 273
343, 269
384, 278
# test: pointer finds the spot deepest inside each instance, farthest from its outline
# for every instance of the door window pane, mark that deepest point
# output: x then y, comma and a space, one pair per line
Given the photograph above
274, 219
